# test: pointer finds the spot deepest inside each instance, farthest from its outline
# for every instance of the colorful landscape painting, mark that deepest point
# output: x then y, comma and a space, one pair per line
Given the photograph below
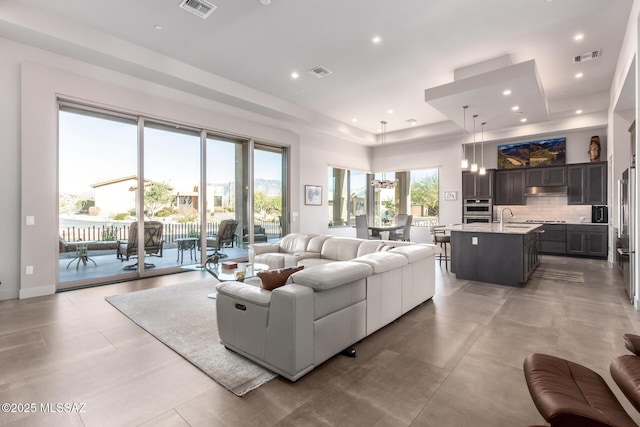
512, 156
548, 152
545, 152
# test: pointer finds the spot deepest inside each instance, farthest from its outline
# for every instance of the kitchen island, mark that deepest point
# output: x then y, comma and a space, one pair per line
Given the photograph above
494, 253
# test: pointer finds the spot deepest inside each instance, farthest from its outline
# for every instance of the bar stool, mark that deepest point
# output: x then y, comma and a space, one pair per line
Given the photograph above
440, 237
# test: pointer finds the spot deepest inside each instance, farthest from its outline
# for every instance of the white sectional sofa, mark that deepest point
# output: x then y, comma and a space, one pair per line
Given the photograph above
326, 307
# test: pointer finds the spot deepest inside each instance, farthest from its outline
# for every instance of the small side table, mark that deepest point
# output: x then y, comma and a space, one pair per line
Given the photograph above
82, 254
186, 243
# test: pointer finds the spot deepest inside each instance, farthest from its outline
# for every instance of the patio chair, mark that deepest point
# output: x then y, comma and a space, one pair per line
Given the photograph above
225, 237
153, 243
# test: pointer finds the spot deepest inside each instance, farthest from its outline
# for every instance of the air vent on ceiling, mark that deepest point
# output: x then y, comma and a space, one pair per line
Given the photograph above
319, 72
587, 56
199, 8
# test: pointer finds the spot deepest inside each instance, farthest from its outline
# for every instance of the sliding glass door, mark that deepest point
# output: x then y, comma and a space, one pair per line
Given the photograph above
140, 197
227, 194
97, 170
171, 170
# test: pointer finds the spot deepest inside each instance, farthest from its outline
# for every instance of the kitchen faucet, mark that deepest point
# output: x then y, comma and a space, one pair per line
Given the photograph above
502, 215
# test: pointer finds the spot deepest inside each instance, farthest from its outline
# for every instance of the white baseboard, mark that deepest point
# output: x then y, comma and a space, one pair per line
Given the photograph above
37, 292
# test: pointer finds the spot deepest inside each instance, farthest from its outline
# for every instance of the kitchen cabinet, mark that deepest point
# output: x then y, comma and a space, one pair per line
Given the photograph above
531, 253
476, 185
587, 184
546, 176
491, 253
553, 239
587, 240
510, 185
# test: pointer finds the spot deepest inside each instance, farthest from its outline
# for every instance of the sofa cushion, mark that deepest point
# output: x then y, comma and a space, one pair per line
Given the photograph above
295, 243
272, 279
340, 248
330, 275
244, 292
316, 242
369, 247
416, 252
383, 261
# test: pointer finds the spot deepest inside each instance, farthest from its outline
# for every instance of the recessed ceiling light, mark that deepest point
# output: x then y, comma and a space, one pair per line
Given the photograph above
523, 120
507, 92
390, 111
354, 120
578, 75
158, 27
265, 2
515, 108
578, 111
376, 39
295, 75
578, 37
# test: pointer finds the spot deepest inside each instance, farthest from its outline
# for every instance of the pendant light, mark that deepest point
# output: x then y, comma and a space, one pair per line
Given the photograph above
383, 183
483, 170
474, 165
464, 163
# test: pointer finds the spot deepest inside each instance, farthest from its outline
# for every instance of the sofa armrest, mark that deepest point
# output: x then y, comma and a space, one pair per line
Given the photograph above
290, 335
262, 248
245, 292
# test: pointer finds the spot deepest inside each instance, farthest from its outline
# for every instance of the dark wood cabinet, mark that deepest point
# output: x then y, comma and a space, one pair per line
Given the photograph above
553, 239
546, 176
476, 185
587, 240
587, 184
510, 185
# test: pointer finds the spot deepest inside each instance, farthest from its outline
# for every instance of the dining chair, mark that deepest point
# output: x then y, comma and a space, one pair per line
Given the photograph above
404, 233
362, 228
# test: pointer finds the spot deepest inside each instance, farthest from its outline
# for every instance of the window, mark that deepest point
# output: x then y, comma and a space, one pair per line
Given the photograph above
118, 170
423, 197
347, 196
415, 193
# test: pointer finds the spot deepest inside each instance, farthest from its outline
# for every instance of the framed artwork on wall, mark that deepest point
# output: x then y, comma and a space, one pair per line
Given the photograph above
451, 195
313, 195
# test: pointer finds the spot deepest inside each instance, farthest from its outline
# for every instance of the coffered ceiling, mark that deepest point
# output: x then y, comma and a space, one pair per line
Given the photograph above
245, 52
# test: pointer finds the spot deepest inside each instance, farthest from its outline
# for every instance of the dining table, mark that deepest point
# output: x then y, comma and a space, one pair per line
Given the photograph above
377, 230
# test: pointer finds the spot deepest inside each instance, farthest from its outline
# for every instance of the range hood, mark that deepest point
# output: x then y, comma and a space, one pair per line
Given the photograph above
554, 190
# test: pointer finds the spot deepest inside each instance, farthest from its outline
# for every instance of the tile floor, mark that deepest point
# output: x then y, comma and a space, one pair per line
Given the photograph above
453, 361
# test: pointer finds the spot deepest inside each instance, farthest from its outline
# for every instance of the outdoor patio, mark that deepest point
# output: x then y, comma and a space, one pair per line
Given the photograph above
108, 265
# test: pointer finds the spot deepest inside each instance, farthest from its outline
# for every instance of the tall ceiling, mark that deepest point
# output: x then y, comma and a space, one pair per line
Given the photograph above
244, 53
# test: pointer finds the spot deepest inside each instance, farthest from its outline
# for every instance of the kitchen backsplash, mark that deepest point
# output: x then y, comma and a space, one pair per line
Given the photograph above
550, 208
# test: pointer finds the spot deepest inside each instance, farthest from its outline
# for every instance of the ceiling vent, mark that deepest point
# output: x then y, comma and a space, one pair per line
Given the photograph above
587, 56
319, 72
199, 8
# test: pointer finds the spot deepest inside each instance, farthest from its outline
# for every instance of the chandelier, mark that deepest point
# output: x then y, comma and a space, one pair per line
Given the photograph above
383, 183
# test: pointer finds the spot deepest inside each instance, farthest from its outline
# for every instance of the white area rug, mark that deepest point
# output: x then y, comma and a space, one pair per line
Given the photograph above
183, 318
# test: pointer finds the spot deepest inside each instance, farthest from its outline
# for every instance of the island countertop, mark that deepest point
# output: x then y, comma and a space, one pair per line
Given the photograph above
494, 227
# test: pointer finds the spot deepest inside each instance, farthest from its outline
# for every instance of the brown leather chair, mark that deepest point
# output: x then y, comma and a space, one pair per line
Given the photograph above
570, 395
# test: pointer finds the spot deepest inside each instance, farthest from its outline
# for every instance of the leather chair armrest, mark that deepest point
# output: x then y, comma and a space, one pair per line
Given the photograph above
632, 343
